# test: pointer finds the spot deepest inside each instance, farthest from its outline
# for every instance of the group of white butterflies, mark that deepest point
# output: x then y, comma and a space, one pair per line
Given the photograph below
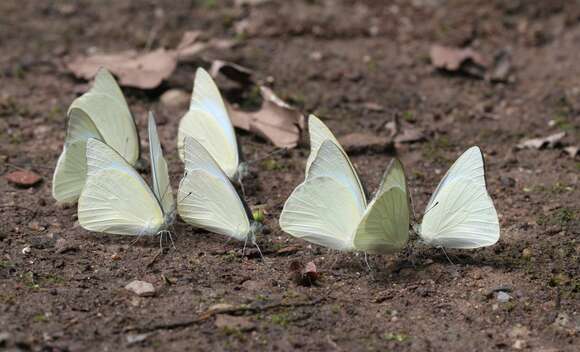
330, 208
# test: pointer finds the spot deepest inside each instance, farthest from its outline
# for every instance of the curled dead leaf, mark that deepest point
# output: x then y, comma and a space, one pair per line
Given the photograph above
359, 142
133, 69
193, 43
551, 141
232, 71
465, 60
276, 121
304, 275
572, 151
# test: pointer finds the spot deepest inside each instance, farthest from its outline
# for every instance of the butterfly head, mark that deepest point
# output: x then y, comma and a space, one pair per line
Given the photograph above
255, 229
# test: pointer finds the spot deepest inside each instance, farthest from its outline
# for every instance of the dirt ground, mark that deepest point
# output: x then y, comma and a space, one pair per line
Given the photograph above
336, 59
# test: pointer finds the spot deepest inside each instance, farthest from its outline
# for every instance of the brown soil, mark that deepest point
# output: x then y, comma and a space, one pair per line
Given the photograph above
67, 292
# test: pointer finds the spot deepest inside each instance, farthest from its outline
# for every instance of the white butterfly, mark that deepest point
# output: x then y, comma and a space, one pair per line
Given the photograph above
208, 122
208, 200
330, 209
101, 113
117, 200
460, 213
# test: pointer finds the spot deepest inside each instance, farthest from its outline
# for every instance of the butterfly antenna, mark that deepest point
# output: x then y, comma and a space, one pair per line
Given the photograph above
449, 259
184, 198
428, 210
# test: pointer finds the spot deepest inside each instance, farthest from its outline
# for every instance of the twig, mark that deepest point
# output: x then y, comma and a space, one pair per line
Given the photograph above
251, 308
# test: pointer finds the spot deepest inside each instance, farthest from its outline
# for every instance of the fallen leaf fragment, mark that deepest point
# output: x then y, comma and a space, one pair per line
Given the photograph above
141, 288
232, 71
464, 60
276, 121
192, 44
410, 135
133, 69
304, 275
229, 322
23, 178
551, 141
572, 151
358, 142
404, 132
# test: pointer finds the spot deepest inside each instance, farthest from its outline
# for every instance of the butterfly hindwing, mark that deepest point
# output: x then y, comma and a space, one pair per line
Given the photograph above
115, 198
206, 197
159, 170
106, 106
463, 217
208, 122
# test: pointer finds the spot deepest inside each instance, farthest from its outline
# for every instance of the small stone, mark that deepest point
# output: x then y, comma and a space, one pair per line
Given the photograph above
141, 288
519, 344
562, 320
507, 182
175, 98
134, 339
527, 253
26, 250
229, 322
316, 56
23, 178
502, 297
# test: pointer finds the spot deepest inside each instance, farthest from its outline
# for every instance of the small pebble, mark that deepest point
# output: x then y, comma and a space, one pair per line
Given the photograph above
502, 297
141, 288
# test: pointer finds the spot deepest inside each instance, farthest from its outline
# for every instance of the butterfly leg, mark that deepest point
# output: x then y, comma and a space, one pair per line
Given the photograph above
366, 259
449, 259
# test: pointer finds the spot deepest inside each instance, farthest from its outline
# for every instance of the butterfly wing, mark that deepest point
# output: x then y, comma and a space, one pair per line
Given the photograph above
159, 170
208, 122
319, 133
464, 217
326, 208
384, 227
206, 197
469, 165
71, 169
115, 198
106, 106
322, 211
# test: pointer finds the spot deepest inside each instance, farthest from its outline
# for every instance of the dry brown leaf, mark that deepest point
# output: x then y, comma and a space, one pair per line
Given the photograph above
232, 71
572, 151
23, 178
133, 69
276, 121
404, 132
551, 141
304, 275
410, 135
465, 60
192, 44
359, 142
